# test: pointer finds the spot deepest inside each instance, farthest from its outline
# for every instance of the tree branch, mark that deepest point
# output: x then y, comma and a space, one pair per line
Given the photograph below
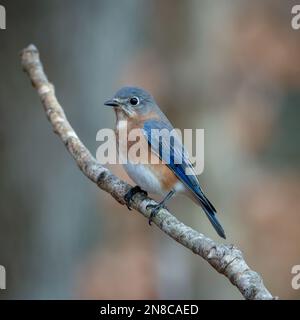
226, 259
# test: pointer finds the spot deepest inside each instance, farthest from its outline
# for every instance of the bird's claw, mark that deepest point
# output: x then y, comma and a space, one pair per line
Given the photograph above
128, 196
154, 211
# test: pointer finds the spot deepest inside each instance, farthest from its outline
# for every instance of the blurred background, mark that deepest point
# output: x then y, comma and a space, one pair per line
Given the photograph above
230, 67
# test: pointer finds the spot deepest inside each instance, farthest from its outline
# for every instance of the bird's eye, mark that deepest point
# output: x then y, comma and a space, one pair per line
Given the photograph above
134, 101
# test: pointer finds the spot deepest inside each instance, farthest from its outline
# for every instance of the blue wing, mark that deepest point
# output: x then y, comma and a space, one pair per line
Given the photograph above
172, 152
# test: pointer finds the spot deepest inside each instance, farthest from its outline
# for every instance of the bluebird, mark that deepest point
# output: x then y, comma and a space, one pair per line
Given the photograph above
139, 110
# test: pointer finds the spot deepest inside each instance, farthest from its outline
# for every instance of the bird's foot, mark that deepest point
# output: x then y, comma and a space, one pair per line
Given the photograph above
154, 210
128, 196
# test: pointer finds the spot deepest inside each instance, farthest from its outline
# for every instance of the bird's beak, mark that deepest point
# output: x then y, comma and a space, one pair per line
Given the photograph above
112, 103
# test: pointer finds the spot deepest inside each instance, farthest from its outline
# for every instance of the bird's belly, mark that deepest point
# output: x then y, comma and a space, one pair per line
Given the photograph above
142, 175
155, 178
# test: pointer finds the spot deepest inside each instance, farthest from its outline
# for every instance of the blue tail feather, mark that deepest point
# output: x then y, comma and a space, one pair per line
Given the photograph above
216, 224
211, 214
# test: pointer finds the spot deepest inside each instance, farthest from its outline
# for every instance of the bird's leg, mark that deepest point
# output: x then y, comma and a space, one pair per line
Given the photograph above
161, 204
128, 196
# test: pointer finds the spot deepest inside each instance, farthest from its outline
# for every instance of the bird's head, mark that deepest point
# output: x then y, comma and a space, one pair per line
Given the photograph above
132, 102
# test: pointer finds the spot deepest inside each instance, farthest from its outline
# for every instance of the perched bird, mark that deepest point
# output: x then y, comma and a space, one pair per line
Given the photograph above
137, 108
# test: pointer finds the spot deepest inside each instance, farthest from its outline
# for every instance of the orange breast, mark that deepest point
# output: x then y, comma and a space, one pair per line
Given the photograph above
165, 175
